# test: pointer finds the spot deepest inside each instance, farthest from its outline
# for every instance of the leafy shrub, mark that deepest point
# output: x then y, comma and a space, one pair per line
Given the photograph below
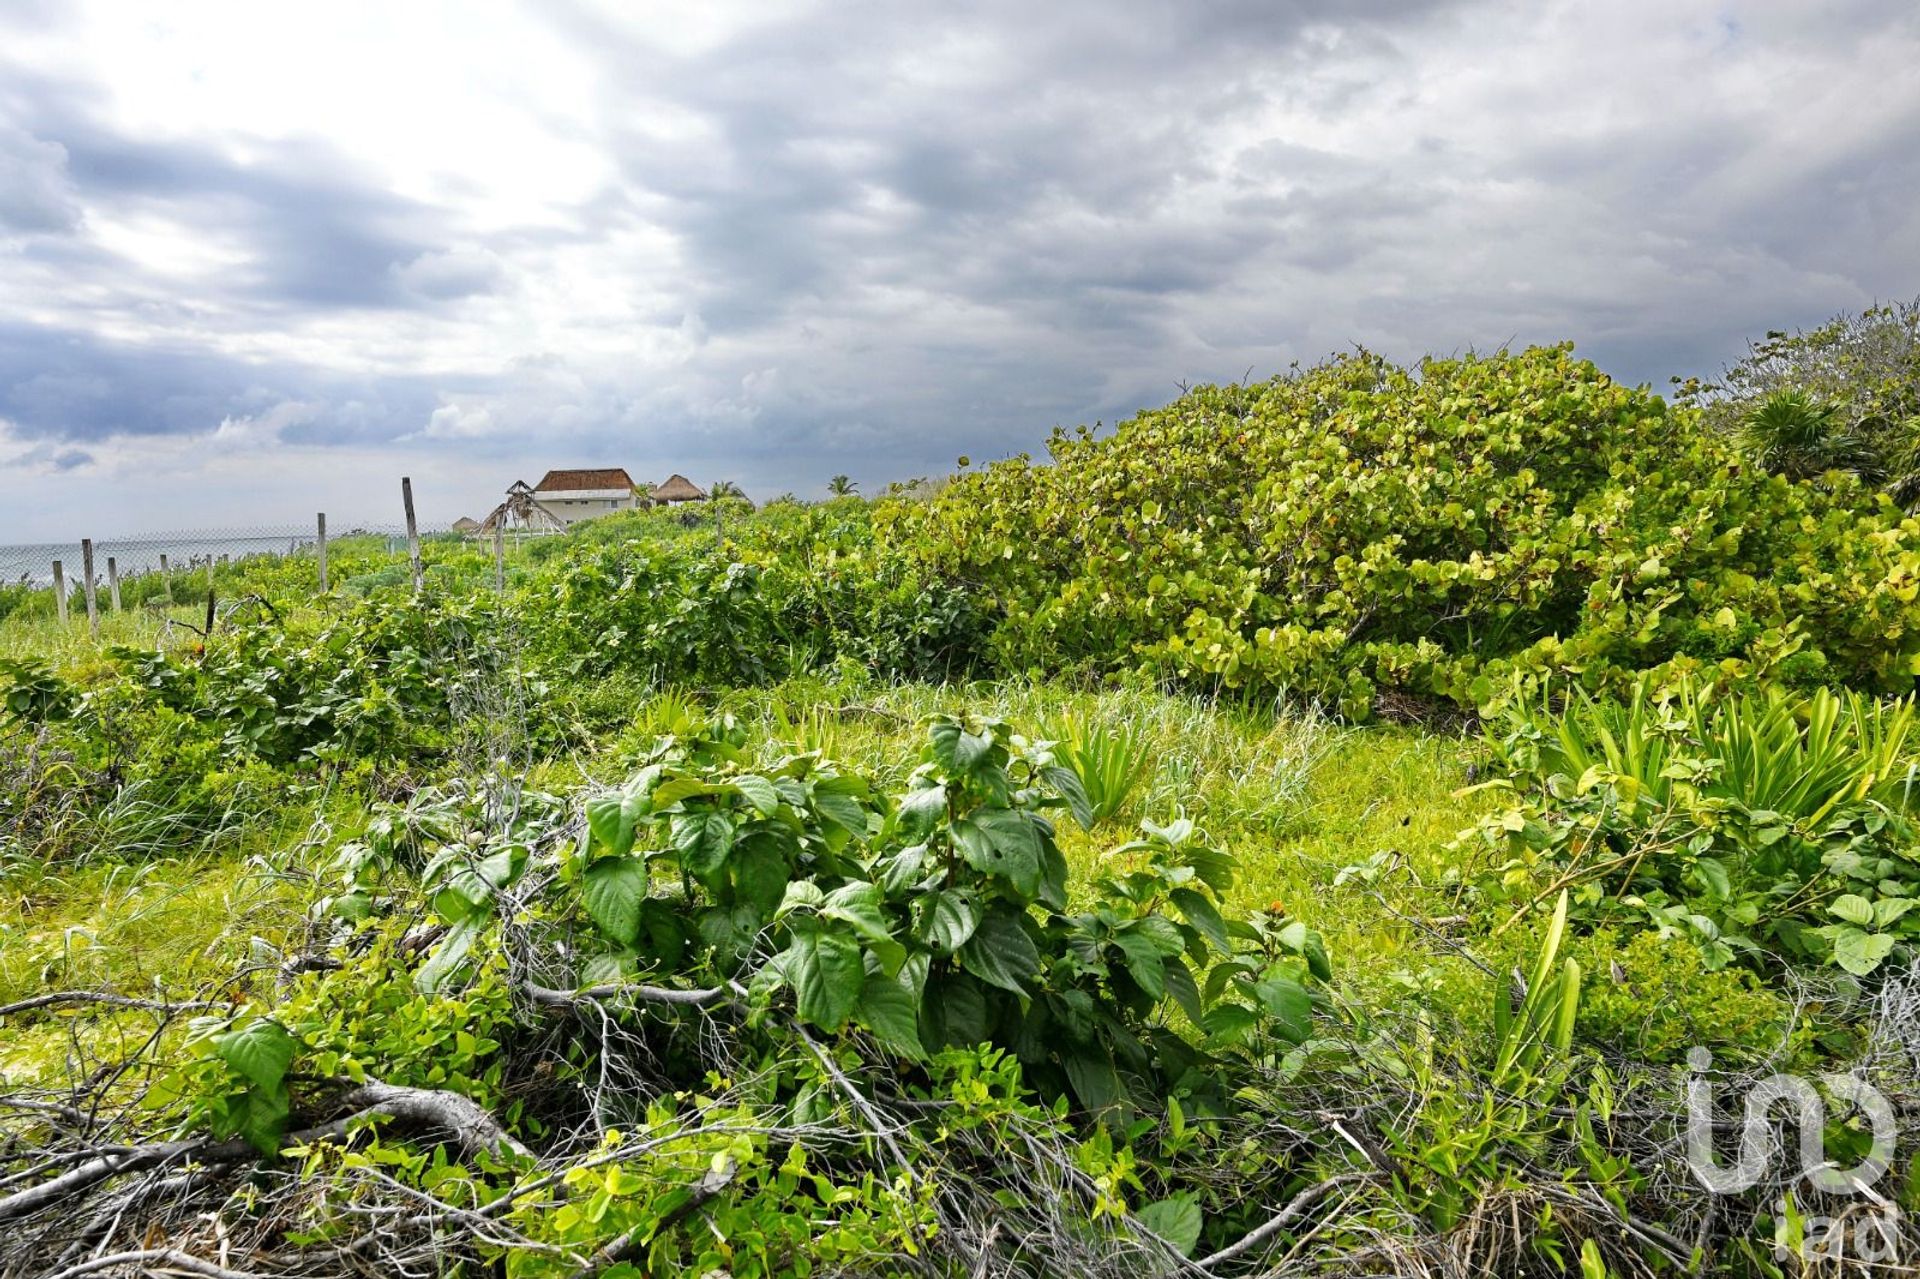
1359, 526
1754, 824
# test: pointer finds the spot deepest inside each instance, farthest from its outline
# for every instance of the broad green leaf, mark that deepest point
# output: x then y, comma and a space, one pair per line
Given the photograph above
1176, 1220
858, 905
827, 976
945, 920
1203, 915
612, 890
922, 810
1858, 952
1001, 954
890, 1011
1853, 908
1144, 961
1004, 842
1067, 783
760, 793
843, 811
1289, 1004
758, 870
611, 819
261, 1051
703, 839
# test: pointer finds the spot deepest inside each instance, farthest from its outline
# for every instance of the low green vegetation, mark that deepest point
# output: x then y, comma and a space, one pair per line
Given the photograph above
1311, 829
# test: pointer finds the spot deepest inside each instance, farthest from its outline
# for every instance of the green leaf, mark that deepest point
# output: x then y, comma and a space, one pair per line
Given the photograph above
1004, 842
1176, 1220
922, 810
1308, 944
1289, 1004
1001, 954
957, 750
827, 976
1203, 915
760, 793
1889, 909
843, 811
1860, 953
758, 869
261, 1051
1853, 908
1228, 1022
612, 890
859, 905
945, 920
1144, 961
703, 839
889, 1010
611, 820
1068, 785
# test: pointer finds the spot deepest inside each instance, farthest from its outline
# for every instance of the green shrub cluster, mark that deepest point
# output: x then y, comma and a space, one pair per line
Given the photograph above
1358, 528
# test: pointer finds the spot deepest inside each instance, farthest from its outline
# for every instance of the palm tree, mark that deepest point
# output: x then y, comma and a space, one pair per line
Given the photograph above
725, 488
1791, 434
842, 486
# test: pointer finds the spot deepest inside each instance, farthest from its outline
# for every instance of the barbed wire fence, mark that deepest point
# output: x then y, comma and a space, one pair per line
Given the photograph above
94, 576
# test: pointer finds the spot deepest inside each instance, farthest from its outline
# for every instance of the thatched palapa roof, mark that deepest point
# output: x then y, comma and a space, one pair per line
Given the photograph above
678, 488
597, 480
465, 524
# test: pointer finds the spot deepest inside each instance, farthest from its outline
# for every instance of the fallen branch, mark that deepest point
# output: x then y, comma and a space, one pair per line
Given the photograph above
624, 1247
554, 998
146, 1258
1280, 1221
472, 1127
103, 997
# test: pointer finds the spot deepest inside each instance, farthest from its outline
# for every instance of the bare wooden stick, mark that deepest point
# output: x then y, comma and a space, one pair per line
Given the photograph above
413, 532
154, 1261
87, 584
113, 582
320, 545
60, 591
500, 557
105, 997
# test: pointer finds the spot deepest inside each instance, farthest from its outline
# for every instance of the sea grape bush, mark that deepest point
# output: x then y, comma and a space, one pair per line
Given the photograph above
1359, 527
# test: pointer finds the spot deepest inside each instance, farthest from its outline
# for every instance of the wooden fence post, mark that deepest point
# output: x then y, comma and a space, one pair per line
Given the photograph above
166, 577
113, 583
500, 557
413, 532
321, 545
60, 592
86, 583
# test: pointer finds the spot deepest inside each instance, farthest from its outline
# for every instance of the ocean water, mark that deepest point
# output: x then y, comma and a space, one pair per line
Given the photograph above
33, 561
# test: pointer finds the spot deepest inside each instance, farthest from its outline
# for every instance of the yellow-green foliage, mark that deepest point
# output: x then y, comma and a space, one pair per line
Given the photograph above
1360, 526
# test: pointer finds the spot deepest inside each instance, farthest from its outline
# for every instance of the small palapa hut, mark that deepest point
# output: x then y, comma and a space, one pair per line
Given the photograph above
678, 488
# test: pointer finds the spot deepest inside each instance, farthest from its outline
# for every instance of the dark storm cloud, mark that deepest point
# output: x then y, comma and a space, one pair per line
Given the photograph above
76, 387
900, 232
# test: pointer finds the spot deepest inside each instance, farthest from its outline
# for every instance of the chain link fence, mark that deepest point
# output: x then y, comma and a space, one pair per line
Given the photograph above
128, 558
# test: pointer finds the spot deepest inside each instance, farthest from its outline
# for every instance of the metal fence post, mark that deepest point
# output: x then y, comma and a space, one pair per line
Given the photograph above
86, 582
413, 532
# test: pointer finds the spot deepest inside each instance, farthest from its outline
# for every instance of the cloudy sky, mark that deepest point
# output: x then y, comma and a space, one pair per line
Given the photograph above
260, 259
